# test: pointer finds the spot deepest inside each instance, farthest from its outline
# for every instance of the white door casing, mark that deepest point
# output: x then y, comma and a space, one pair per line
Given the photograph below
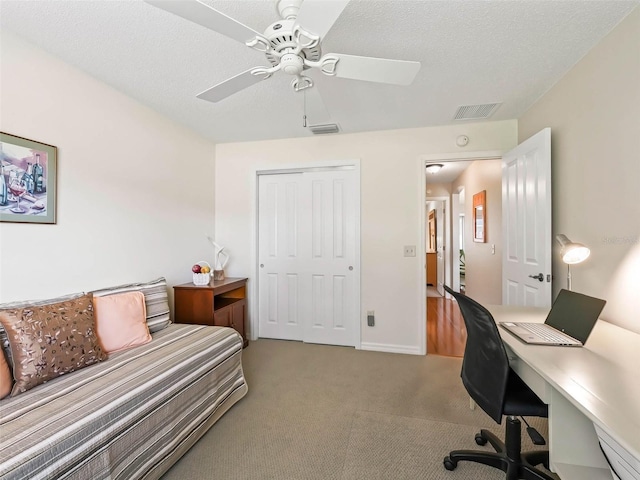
526, 222
421, 176
307, 237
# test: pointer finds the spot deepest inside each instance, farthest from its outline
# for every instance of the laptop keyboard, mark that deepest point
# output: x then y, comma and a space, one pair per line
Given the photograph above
548, 334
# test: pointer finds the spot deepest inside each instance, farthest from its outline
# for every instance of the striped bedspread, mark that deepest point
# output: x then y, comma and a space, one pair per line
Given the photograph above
131, 416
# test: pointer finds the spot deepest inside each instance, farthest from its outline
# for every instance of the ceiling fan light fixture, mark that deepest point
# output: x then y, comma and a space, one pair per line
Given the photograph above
291, 64
291, 45
434, 168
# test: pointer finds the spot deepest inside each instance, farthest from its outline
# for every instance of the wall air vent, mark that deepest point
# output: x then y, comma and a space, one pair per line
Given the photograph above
474, 112
324, 129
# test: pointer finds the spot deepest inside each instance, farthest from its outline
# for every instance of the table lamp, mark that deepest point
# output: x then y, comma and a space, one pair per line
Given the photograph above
572, 253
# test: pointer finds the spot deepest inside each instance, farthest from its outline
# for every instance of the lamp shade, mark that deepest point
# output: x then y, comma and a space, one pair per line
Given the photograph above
572, 252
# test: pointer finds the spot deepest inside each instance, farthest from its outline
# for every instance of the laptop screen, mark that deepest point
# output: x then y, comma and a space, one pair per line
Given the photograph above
575, 314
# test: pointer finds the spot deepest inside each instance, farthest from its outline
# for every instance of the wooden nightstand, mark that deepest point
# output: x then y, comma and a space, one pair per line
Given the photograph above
222, 303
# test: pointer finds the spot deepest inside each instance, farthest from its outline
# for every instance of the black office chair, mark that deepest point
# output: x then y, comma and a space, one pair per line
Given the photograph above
497, 389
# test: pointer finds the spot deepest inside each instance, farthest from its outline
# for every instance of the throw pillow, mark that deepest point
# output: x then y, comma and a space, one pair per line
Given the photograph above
4, 340
6, 380
50, 340
121, 321
155, 297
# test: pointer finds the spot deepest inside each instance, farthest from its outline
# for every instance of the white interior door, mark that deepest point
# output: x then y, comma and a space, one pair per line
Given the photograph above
308, 283
331, 222
279, 252
526, 222
440, 246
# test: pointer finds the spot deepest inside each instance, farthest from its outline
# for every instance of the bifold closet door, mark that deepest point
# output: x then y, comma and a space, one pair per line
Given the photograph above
307, 250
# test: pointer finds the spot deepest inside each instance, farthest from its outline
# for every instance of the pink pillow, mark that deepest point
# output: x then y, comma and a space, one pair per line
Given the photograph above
6, 380
121, 321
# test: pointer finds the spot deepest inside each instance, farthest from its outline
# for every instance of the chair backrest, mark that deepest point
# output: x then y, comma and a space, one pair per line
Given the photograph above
485, 366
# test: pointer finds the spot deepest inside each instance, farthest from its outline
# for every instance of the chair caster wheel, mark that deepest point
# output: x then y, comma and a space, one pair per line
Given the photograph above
449, 464
480, 440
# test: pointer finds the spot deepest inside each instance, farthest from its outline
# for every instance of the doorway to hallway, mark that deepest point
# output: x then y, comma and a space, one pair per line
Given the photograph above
444, 327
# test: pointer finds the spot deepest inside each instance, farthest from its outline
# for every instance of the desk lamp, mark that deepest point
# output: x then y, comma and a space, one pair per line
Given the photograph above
572, 253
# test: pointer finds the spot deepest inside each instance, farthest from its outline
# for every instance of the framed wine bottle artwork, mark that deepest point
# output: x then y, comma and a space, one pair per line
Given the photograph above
27, 180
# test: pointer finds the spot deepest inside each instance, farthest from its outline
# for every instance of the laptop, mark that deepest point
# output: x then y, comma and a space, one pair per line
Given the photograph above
569, 322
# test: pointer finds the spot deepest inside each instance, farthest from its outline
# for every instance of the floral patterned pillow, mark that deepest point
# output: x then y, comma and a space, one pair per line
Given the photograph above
4, 340
50, 340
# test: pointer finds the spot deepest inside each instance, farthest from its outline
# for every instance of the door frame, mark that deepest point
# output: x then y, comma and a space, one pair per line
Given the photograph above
455, 234
446, 235
301, 167
422, 257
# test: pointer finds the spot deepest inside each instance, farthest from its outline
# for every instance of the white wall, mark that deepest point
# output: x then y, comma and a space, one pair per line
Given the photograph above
594, 114
391, 190
438, 189
483, 272
135, 191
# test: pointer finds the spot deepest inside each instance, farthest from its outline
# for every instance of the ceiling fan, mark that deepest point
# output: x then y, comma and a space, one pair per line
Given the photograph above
291, 45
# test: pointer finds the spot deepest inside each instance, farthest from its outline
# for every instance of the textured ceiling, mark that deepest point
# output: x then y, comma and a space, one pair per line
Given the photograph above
448, 173
471, 52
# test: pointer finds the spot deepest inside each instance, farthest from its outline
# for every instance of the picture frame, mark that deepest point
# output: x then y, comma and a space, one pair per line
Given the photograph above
28, 178
480, 217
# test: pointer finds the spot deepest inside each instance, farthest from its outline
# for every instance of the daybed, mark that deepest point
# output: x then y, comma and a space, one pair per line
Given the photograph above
130, 416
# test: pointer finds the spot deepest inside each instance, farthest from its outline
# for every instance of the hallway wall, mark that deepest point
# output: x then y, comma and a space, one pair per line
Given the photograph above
483, 268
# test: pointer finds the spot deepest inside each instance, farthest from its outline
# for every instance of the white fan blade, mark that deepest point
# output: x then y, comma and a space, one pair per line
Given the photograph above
318, 16
229, 87
207, 16
316, 111
381, 70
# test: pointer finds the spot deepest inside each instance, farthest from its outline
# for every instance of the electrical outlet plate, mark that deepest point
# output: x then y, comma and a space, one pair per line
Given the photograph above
409, 250
371, 319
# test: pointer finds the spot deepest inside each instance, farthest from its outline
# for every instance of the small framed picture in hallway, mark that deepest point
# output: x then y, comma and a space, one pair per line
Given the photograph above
480, 216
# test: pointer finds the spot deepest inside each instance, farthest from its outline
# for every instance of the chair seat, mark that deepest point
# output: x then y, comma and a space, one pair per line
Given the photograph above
520, 400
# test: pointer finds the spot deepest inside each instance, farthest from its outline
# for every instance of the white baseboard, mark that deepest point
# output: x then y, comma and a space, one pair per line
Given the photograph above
385, 347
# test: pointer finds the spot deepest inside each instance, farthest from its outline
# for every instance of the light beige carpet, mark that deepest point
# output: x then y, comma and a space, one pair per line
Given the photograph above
323, 412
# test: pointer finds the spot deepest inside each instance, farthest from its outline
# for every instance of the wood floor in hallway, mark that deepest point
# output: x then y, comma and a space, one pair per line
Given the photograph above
446, 333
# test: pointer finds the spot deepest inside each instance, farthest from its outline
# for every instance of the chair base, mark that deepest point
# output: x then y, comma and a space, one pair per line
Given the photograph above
507, 457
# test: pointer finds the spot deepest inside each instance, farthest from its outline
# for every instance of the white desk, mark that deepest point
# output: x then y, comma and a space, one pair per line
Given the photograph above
596, 384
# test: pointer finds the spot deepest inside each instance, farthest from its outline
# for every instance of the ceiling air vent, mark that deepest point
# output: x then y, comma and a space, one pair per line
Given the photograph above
324, 129
474, 112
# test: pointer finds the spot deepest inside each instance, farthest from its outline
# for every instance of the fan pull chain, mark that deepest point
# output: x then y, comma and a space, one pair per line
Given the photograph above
304, 109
